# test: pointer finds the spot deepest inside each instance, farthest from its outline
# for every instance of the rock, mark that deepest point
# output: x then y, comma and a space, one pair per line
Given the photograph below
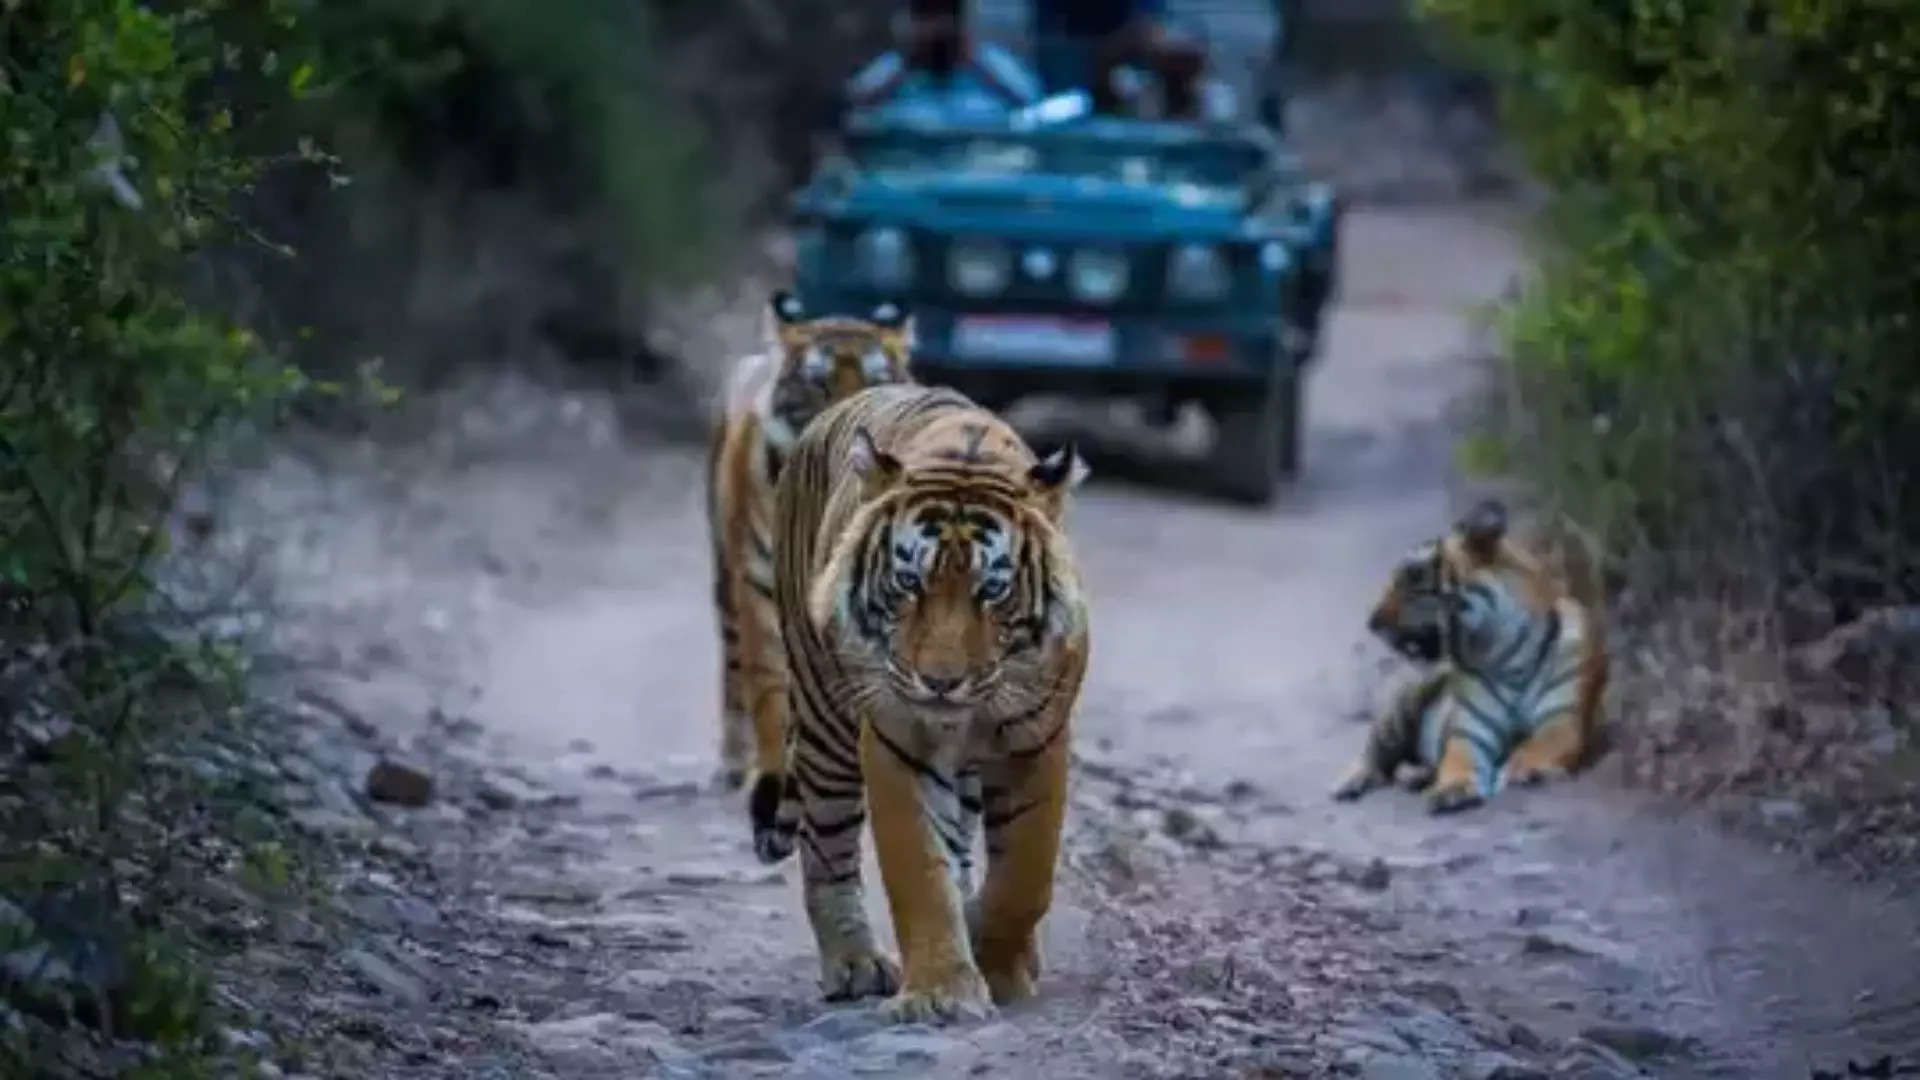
701, 876
386, 977
1782, 813
1585, 1060
1492, 1066
402, 785
1522, 1037
322, 822
1182, 824
1441, 995
1377, 1066
500, 791
1375, 877
684, 790
734, 1014
844, 1024
1544, 945
748, 1050
399, 910
613, 1036
902, 1049
1639, 1042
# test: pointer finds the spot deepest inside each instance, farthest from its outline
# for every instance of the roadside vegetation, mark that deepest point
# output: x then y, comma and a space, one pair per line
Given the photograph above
1714, 369
220, 215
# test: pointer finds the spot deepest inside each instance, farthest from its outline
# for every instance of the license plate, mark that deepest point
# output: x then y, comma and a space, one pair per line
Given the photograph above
1015, 337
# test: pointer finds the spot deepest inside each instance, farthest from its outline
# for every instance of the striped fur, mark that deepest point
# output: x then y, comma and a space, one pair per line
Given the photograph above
1519, 667
937, 637
770, 398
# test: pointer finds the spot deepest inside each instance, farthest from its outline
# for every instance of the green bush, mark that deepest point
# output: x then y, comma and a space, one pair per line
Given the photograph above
133, 134
1719, 354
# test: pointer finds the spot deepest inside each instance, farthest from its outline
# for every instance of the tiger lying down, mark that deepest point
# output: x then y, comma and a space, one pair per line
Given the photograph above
1519, 665
936, 637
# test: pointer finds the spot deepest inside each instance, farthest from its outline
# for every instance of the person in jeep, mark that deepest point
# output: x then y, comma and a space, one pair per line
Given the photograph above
1089, 43
941, 69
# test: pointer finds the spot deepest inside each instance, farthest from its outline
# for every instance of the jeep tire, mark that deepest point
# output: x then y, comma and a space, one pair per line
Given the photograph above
1256, 441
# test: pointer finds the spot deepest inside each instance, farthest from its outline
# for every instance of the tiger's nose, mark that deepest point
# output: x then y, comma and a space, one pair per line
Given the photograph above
1376, 622
938, 686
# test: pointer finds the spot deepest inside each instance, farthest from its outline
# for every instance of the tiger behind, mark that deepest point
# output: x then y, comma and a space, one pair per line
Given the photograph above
770, 398
937, 637
1521, 663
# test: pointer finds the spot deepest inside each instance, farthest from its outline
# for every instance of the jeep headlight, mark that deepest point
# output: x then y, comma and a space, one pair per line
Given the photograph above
979, 267
884, 257
1097, 276
1198, 272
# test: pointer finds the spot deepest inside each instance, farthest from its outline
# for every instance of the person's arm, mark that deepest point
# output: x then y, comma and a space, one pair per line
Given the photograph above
875, 81
1007, 74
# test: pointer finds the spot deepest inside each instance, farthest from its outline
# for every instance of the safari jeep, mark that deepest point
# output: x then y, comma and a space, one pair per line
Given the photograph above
1063, 252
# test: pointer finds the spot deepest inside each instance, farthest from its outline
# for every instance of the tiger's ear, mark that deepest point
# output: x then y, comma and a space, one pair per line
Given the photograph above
786, 307
1483, 528
1056, 474
785, 314
890, 315
877, 469
895, 320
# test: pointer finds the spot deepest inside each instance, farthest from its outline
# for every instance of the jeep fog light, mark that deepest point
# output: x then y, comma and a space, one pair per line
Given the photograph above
884, 258
1198, 272
1097, 277
979, 267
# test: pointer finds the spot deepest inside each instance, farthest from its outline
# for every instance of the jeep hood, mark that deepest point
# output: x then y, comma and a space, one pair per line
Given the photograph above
1075, 204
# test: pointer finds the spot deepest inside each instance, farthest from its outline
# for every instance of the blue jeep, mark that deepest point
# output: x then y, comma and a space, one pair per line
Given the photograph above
1045, 249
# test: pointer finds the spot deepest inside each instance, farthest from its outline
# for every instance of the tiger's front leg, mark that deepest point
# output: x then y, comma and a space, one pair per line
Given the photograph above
832, 813
1025, 804
1393, 740
1465, 773
911, 792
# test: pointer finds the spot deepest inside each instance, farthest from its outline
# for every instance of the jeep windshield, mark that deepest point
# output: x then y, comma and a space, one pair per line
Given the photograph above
1215, 165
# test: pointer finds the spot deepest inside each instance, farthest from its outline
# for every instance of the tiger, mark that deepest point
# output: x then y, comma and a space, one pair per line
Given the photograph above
1518, 662
937, 635
808, 363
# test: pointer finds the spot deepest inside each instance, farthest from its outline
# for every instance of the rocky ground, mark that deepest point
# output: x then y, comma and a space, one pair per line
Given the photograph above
503, 723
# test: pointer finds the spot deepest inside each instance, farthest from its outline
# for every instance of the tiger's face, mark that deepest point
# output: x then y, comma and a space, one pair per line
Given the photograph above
1411, 616
823, 360
959, 579
1427, 606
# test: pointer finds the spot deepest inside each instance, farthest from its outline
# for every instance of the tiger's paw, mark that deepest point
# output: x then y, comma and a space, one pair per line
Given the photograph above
1529, 775
858, 973
1013, 978
1416, 778
1452, 798
963, 995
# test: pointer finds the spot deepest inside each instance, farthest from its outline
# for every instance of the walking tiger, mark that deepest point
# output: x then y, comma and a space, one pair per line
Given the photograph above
808, 364
936, 636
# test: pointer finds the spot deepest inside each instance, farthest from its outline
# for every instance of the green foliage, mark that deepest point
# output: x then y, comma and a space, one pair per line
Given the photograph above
133, 134
565, 96
1719, 354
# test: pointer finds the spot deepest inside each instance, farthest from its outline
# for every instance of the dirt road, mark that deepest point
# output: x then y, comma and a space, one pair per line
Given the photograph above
521, 609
